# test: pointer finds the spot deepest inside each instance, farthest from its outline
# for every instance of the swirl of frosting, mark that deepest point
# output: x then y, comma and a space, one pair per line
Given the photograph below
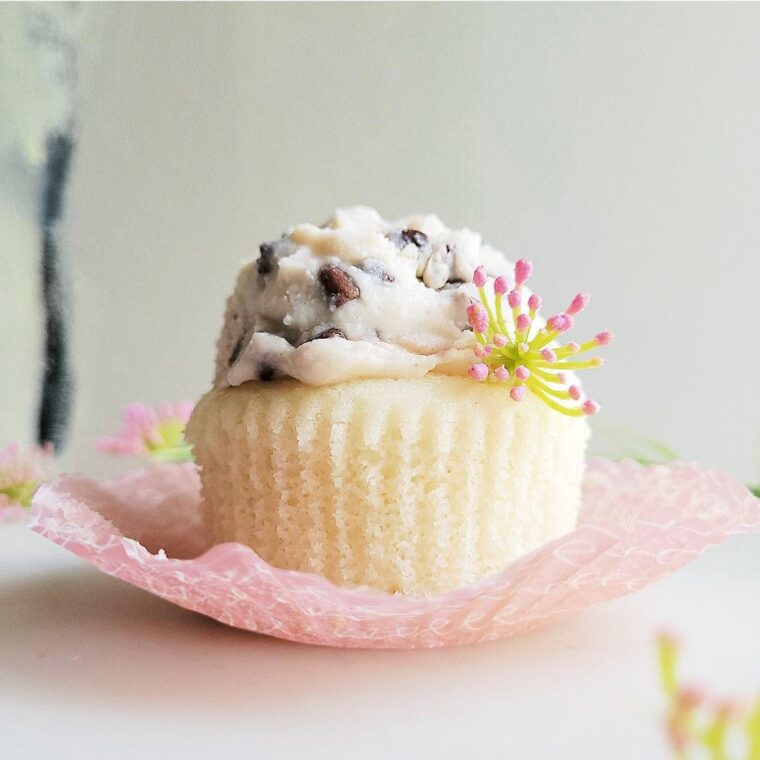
359, 297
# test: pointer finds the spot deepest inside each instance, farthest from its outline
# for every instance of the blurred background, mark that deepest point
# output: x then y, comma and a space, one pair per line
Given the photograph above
614, 144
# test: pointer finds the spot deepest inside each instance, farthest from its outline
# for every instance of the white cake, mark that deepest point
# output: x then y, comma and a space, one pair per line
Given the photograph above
345, 435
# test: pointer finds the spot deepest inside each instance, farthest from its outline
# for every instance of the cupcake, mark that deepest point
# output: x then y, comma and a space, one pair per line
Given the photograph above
389, 409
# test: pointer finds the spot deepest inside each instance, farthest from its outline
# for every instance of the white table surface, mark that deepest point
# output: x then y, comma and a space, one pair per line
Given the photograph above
92, 667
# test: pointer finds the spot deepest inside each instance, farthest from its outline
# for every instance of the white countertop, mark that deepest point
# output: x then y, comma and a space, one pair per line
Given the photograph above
92, 667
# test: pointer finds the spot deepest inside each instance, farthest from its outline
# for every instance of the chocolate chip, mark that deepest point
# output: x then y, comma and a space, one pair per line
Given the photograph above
330, 332
338, 285
236, 351
267, 263
376, 269
402, 238
266, 372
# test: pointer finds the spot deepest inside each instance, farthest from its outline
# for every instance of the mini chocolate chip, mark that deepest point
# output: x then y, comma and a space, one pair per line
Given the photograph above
266, 372
330, 332
339, 286
236, 351
267, 262
402, 238
376, 269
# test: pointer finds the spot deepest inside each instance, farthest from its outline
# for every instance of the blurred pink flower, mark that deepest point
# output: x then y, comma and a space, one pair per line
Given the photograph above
696, 721
21, 472
156, 432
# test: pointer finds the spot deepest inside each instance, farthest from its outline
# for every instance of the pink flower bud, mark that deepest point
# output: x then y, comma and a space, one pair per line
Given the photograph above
549, 355
523, 322
479, 277
478, 350
477, 317
517, 392
604, 338
521, 372
578, 304
575, 392
590, 407
487, 350
523, 271
501, 373
534, 302
573, 347
500, 285
478, 371
560, 322
500, 340
563, 378
514, 298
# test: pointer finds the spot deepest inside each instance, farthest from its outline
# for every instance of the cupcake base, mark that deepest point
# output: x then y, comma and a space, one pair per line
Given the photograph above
416, 486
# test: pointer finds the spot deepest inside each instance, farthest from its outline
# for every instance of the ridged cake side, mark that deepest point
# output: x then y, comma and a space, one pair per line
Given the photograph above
415, 486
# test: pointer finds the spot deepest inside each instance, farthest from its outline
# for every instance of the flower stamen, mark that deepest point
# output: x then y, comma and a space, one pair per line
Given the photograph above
508, 354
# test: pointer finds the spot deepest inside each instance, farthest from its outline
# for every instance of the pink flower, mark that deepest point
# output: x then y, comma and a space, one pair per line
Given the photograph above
155, 432
578, 304
560, 322
523, 359
478, 371
523, 271
21, 472
480, 277
590, 407
548, 355
500, 285
521, 372
477, 317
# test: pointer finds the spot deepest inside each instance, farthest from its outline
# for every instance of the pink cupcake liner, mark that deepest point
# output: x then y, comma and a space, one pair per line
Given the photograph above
637, 525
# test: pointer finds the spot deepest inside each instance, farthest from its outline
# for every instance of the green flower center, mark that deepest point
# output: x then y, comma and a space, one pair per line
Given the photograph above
20, 493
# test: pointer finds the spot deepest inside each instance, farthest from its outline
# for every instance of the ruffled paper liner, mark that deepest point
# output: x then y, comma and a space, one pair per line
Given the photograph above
637, 525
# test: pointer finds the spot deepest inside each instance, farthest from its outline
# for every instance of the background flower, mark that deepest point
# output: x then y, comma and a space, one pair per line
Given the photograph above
21, 472
699, 724
155, 432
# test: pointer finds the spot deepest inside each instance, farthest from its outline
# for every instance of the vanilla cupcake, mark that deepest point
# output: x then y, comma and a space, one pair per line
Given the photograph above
376, 418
